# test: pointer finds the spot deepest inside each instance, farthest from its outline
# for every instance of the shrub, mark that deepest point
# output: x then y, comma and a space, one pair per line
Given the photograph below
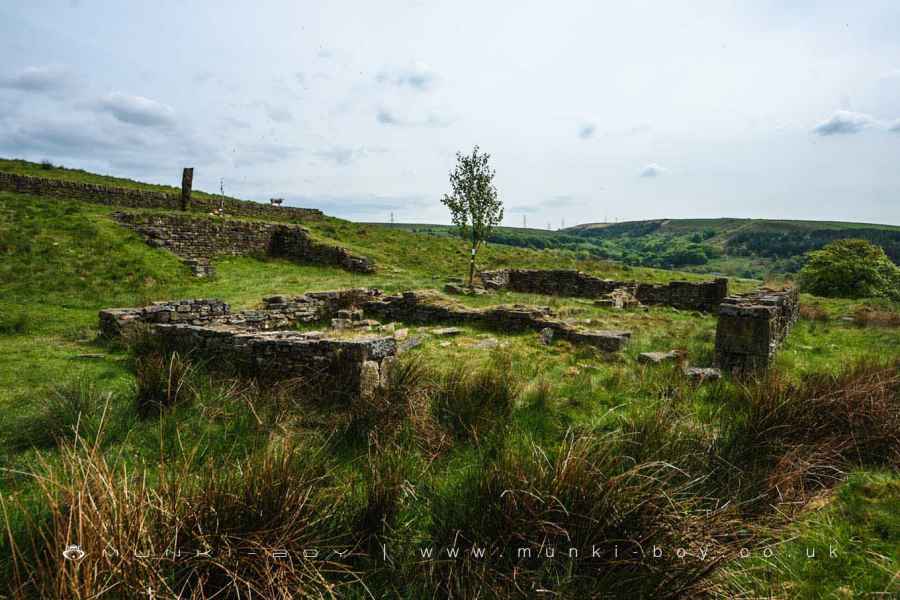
851, 269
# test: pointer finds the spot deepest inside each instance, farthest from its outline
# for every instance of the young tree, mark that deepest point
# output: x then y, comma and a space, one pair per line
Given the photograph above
474, 206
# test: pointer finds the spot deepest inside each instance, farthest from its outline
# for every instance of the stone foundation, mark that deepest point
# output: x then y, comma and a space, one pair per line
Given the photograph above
428, 307
327, 367
278, 312
135, 198
256, 342
195, 237
752, 326
703, 296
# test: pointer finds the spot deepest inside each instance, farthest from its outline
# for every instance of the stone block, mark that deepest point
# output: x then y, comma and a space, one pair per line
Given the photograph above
656, 358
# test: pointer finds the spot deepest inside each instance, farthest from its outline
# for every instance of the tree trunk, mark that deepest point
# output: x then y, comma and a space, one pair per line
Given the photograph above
472, 264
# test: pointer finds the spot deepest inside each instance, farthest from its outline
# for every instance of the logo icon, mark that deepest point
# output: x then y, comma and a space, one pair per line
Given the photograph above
73, 552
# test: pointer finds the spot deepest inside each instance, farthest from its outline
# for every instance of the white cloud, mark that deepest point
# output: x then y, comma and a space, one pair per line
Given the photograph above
279, 114
418, 76
653, 170
137, 110
386, 116
845, 122
48, 79
895, 127
586, 130
341, 155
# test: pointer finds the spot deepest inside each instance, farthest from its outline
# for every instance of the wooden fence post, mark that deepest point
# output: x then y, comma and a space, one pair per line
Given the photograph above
187, 181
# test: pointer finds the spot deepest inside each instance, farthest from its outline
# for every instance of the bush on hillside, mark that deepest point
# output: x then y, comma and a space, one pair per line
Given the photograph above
851, 269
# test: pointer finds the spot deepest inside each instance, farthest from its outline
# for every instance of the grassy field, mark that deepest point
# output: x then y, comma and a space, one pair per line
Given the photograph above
482, 439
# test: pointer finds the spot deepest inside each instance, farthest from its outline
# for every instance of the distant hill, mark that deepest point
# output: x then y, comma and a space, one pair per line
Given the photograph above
738, 247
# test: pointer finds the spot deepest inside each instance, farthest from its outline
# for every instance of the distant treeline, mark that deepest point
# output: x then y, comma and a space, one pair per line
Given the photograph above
786, 244
650, 244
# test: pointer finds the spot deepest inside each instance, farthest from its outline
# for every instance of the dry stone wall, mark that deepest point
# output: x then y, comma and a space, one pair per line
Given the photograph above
343, 368
428, 307
256, 342
134, 198
277, 312
704, 296
196, 237
752, 326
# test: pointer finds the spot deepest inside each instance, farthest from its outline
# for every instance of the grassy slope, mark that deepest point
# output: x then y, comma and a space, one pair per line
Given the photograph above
725, 240
62, 261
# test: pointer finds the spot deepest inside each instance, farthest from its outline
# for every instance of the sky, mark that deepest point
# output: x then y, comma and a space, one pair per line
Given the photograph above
591, 110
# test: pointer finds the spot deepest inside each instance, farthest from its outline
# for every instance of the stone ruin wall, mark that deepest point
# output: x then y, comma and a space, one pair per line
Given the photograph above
752, 326
135, 198
427, 307
198, 238
703, 296
260, 343
255, 342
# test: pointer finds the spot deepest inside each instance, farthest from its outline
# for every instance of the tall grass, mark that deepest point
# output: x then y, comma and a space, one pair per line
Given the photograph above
658, 480
139, 535
789, 439
71, 408
471, 402
532, 505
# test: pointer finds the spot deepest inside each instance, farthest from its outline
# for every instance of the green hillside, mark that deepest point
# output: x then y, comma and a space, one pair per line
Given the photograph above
758, 248
486, 436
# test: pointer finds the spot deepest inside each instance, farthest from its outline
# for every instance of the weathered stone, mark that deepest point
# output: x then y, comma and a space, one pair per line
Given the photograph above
704, 296
702, 373
137, 198
459, 290
198, 239
607, 341
623, 298
660, 357
546, 336
401, 334
365, 324
446, 331
486, 344
410, 343
752, 326
387, 364
424, 306
369, 378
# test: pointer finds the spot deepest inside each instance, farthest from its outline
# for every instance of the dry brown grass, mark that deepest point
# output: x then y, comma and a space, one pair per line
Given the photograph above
813, 312
869, 316
795, 439
139, 535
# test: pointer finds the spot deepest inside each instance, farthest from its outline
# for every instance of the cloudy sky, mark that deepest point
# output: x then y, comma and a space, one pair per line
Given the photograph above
590, 110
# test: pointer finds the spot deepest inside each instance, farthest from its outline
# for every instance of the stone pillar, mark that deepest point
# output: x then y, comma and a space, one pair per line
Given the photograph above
187, 181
